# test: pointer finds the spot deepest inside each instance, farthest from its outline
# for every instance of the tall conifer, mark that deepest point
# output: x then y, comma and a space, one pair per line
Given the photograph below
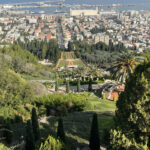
94, 135
90, 85
67, 87
60, 130
56, 85
35, 125
30, 144
8, 133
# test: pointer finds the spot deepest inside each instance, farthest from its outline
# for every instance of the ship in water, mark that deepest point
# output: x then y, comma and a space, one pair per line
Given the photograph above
60, 11
32, 12
42, 12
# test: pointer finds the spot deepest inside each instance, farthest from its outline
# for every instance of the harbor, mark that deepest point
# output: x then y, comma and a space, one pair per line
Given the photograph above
63, 6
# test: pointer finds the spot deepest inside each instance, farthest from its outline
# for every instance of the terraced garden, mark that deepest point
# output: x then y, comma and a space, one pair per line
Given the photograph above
68, 59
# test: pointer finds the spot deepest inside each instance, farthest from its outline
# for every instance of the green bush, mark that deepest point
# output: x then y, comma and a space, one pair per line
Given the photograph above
52, 144
89, 106
61, 104
3, 147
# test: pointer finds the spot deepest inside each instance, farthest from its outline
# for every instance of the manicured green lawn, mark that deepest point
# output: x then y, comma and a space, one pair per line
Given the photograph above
63, 63
77, 125
79, 63
68, 55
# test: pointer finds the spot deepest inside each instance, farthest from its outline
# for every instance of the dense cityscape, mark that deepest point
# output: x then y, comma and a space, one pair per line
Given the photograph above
74, 76
128, 27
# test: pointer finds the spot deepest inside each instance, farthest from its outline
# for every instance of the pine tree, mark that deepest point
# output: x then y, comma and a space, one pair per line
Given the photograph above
132, 116
90, 85
78, 86
60, 130
94, 136
56, 85
67, 87
35, 125
30, 144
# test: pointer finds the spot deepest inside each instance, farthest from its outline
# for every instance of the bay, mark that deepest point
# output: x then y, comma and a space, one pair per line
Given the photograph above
140, 4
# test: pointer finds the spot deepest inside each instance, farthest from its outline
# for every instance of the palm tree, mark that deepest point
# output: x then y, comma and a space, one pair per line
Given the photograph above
123, 67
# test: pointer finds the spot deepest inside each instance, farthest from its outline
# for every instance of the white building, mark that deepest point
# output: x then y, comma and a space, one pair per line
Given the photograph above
84, 12
100, 37
32, 20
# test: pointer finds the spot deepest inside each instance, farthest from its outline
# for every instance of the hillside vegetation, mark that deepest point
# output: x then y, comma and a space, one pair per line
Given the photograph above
15, 93
23, 62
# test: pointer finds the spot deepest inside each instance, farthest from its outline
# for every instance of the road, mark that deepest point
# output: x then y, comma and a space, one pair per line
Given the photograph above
42, 81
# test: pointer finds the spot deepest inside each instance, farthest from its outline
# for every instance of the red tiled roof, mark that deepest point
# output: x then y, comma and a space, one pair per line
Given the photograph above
49, 36
114, 95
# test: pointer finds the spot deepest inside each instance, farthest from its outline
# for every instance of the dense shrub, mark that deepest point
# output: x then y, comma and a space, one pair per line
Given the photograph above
57, 104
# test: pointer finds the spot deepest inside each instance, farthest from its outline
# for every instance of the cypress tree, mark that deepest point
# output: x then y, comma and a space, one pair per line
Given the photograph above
94, 135
56, 85
106, 137
60, 130
8, 133
44, 50
67, 87
78, 86
90, 85
30, 144
35, 125
70, 46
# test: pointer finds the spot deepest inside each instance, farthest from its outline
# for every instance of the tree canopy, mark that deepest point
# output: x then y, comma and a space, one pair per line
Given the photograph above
123, 67
42, 49
99, 53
